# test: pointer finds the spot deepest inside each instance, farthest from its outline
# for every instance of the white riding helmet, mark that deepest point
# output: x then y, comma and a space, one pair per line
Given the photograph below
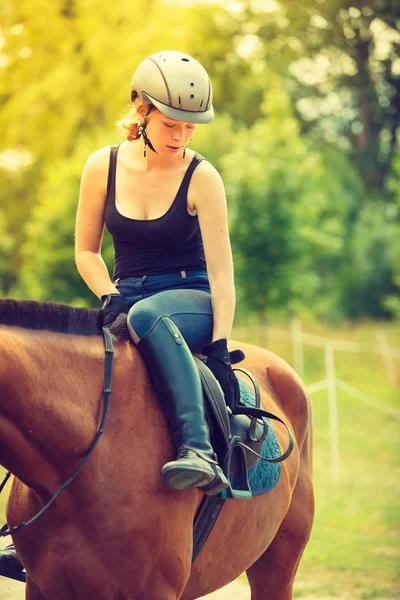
176, 84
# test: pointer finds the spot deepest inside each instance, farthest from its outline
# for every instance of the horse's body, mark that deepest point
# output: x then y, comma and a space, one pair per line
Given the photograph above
117, 532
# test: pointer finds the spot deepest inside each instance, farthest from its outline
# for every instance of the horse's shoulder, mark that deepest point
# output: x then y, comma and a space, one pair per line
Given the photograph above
127, 357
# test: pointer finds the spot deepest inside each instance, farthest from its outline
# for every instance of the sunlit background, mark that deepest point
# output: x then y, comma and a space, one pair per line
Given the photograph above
307, 99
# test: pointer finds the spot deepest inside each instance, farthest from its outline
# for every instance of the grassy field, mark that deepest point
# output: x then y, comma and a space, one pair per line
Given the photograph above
354, 552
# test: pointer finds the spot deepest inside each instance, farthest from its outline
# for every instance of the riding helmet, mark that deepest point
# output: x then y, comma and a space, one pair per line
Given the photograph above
176, 84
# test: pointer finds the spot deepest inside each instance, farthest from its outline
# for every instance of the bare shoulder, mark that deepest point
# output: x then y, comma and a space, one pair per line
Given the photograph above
98, 161
206, 177
95, 171
207, 173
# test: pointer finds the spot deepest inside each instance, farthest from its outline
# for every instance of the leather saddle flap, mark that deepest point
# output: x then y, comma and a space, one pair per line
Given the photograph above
216, 410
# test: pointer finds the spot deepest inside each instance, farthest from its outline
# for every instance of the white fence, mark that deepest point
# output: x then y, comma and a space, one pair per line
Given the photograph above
331, 383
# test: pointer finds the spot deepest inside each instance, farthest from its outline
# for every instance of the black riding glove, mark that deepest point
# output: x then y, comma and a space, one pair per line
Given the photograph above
219, 363
113, 305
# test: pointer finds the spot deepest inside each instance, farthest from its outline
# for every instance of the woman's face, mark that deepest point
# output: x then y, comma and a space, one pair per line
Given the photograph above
168, 137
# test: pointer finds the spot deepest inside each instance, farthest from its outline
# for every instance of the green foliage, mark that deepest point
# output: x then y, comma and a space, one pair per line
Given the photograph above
285, 213
49, 272
341, 62
214, 141
6, 248
373, 261
18, 188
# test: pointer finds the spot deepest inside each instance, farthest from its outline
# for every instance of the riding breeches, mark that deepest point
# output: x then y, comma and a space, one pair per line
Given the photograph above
184, 296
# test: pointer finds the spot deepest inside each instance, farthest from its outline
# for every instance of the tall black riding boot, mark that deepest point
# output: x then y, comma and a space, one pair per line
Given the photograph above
176, 379
9, 560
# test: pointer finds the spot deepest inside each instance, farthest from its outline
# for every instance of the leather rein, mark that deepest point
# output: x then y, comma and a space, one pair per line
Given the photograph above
109, 349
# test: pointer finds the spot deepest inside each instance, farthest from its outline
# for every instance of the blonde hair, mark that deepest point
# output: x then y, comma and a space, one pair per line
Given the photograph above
129, 124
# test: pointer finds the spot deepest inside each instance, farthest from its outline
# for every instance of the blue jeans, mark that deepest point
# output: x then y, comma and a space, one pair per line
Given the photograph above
183, 296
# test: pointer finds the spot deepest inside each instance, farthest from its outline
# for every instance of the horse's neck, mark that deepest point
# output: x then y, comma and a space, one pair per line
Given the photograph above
49, 404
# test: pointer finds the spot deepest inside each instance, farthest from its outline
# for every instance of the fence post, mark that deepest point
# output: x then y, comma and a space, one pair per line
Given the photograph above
297, 346
333, 412
386, 354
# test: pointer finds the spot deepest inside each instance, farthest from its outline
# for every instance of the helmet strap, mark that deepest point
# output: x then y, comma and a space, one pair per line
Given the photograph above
146, 141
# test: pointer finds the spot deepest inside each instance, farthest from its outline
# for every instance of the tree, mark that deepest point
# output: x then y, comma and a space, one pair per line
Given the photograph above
282, 219
49, 272
340, 60
372, 266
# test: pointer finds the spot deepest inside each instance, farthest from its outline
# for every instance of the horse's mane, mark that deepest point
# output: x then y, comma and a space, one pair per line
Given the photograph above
61, 318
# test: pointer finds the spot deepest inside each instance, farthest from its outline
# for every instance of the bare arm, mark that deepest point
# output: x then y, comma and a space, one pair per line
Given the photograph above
210, 202
90, 224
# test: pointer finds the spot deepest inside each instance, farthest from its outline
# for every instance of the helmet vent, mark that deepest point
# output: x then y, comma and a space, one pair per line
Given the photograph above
192, 84
180, 102
185, 59
192, 95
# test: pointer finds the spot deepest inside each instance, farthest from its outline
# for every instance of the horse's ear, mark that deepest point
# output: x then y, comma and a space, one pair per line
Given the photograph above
236, 356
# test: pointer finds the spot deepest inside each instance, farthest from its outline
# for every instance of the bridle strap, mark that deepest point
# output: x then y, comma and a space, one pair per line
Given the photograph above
3, 483
109, 350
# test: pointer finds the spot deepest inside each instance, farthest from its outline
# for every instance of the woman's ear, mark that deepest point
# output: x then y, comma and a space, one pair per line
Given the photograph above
142, 111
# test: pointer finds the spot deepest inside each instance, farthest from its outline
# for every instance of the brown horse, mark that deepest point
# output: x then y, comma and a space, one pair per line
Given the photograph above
118, 532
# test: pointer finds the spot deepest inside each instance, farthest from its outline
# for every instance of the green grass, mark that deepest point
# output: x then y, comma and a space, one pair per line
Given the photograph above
354, 551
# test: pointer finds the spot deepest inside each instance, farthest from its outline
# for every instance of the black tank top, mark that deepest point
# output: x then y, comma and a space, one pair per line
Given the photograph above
170, 243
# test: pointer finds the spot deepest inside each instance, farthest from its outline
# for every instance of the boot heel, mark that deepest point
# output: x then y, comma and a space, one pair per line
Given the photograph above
217, 485
178, 478
191, 471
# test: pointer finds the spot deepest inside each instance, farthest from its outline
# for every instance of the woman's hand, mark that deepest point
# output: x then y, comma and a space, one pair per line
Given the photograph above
113, 305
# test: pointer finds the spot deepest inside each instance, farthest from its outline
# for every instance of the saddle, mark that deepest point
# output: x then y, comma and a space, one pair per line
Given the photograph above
233, 436
237, 438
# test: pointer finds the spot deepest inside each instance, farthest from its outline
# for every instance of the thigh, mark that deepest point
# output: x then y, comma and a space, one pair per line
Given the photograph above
190, 310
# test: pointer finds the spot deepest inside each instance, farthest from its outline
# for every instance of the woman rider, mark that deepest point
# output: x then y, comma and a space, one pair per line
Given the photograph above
165, 207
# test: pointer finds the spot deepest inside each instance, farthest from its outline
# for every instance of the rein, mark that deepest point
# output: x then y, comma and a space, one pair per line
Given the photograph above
109, 349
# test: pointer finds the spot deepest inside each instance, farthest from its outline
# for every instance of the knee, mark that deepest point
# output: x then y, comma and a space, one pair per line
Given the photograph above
141, 319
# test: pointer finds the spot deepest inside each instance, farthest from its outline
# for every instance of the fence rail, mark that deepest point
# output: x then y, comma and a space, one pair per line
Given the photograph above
331, 383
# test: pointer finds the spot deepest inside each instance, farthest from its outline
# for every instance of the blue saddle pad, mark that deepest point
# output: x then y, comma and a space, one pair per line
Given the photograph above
263, 476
